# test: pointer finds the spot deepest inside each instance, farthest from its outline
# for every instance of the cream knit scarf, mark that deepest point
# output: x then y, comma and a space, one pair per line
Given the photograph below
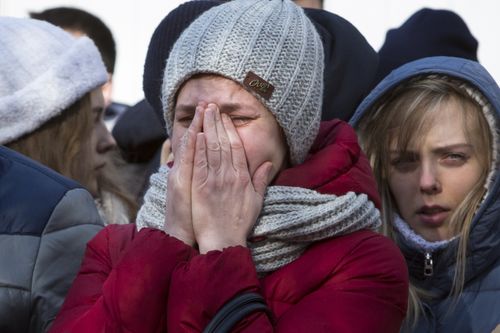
291, 219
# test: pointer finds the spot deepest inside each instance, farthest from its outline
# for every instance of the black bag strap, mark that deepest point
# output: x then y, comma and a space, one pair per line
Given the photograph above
236, 309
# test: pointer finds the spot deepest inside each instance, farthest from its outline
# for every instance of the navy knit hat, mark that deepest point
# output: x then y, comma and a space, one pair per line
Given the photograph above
426, 33
162, 41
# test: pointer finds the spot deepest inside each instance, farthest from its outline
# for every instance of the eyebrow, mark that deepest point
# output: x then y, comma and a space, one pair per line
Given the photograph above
438, 150
446, 148
224, 108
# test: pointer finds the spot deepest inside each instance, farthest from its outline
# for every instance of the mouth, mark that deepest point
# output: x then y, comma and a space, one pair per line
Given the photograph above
433, 215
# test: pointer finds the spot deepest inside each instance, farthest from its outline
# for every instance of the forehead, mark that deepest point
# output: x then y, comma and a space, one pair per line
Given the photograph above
448, 123
442, 123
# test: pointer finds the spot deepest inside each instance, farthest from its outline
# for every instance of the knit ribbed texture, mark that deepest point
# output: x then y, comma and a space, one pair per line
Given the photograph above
43, 70
271, 38
292, 218
414, 240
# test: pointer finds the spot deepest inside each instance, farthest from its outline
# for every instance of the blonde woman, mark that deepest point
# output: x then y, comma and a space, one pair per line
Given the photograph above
430, 130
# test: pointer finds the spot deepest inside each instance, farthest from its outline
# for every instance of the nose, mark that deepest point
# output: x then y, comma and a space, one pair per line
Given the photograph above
429, 179
105, 140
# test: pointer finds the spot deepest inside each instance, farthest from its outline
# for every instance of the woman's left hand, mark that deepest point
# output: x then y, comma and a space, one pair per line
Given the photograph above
226, 199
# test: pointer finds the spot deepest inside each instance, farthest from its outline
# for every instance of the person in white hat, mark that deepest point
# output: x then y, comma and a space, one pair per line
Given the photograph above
264, 220
51, 106
49, 87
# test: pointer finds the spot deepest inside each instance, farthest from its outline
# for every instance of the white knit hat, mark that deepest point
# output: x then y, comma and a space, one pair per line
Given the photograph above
269, 47
43, 70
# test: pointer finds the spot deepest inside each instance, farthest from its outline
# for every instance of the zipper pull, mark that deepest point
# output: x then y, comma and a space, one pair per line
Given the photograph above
428, 264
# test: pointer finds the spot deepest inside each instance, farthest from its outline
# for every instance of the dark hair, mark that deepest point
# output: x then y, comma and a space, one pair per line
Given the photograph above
70, 18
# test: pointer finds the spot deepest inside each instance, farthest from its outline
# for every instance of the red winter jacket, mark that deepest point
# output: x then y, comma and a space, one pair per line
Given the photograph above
148, 281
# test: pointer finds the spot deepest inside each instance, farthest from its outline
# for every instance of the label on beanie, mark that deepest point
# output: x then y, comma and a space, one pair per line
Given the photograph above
259, 85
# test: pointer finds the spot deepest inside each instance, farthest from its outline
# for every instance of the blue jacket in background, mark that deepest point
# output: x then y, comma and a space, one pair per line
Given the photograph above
45, 222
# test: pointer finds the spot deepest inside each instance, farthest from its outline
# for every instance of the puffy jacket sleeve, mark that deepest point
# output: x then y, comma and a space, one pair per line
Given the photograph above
362, 290
123, 283
71, 225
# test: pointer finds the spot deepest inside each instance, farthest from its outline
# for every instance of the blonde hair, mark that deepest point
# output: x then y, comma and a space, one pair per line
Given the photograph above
63, 142
405, 115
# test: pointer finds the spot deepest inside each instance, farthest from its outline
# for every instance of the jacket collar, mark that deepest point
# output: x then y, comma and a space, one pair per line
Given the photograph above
335, 165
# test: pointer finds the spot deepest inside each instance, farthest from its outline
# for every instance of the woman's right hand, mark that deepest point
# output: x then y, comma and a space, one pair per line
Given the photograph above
178, 217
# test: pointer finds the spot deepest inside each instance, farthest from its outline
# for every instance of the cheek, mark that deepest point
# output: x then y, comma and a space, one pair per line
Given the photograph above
463, 182
266, 146
401, 189
250, 144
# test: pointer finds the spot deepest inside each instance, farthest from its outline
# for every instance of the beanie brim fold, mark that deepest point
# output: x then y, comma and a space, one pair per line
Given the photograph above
76, 72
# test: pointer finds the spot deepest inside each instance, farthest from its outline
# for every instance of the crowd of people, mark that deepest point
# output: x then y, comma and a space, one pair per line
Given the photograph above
280, 175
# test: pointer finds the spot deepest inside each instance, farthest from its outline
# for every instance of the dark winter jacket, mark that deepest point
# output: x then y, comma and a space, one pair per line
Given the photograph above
45, 223
477, 309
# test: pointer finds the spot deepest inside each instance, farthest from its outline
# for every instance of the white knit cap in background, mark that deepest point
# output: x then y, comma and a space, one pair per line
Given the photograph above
271, 48
43, 71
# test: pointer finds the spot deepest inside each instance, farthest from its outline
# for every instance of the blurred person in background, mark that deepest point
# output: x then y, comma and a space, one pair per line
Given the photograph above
426, 33
48, 82
79, 22
117, 178
54, 113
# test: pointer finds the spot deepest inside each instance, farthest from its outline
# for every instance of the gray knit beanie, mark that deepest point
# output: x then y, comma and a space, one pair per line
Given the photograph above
271, 48
43, 71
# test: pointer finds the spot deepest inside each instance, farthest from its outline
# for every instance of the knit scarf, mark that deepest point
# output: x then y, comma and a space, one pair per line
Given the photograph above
292, 218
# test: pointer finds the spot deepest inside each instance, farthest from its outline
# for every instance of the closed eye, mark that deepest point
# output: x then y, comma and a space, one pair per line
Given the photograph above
239, 120
184, 120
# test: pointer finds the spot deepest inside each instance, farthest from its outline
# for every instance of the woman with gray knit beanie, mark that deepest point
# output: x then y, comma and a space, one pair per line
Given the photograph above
264, 220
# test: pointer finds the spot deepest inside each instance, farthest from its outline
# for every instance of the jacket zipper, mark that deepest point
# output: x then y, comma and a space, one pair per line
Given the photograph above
428, 264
